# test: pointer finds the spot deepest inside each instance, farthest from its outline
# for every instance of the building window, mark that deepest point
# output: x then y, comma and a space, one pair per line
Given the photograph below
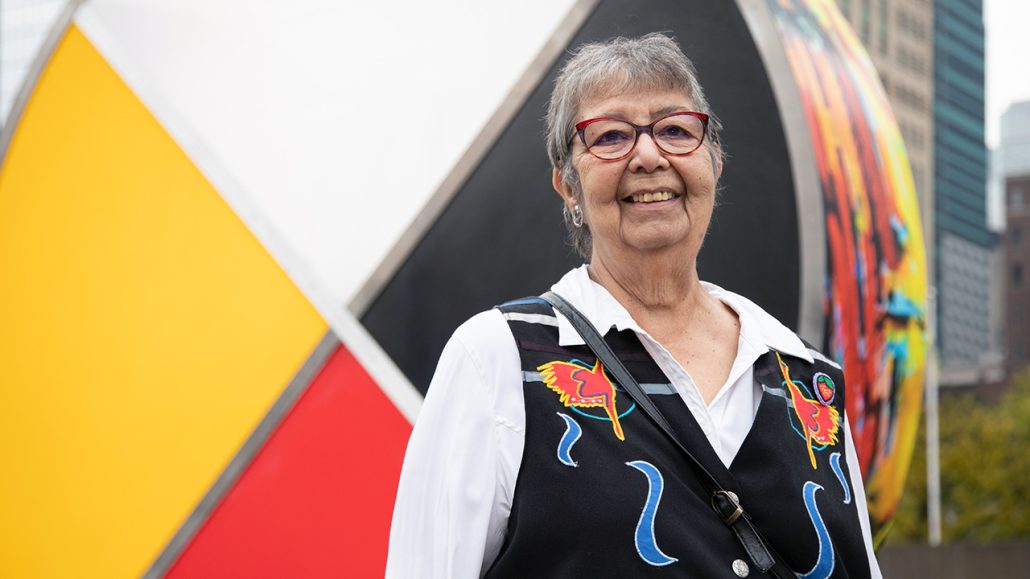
1017, 275
911, 24
1016, 199
1016, 235
911, 61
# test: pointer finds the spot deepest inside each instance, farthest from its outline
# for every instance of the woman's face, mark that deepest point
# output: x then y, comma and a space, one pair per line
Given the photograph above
624, 224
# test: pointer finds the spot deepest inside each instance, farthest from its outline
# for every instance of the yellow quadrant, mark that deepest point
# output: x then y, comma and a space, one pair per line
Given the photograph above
143, 329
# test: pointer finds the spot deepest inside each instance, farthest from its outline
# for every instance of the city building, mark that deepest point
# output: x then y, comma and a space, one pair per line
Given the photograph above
1017, 272
964, 246
1015, 140
1014, 154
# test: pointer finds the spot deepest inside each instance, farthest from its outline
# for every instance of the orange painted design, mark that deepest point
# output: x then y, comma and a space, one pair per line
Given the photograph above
820, 423
583, 388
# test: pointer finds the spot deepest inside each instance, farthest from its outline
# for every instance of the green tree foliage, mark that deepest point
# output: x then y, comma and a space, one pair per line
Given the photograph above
985, 470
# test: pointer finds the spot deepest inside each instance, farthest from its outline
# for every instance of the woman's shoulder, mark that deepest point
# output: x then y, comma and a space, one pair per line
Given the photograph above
484, 336
485, 323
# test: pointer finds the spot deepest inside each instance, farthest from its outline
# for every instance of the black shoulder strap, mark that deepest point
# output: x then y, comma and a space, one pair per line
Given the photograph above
725, 503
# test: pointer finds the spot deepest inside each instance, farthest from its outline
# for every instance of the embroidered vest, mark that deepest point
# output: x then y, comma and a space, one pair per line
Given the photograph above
602, 492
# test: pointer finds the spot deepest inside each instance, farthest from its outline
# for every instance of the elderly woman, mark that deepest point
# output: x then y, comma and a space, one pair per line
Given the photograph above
728, 455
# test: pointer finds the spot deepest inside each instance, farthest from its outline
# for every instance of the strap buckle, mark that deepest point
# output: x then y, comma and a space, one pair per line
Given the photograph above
727, 505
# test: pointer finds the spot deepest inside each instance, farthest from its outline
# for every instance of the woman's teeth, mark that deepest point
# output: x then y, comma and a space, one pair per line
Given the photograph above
652, 197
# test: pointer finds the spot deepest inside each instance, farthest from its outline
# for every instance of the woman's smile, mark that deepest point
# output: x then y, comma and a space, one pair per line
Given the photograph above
649, 199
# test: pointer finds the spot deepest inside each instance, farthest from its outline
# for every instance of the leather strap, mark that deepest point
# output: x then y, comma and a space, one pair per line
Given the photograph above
724, 503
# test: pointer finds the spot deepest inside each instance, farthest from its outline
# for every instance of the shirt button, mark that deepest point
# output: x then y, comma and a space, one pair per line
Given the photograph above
740, 568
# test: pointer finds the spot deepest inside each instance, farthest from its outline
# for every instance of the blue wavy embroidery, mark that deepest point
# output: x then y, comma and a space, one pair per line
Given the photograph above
572, 434
824, 563
835, 465
644, 536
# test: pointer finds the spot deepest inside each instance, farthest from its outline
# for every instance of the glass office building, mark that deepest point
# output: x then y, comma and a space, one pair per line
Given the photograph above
963, 242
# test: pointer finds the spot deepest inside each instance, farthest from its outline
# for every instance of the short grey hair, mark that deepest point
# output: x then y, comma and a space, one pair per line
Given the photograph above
654, 61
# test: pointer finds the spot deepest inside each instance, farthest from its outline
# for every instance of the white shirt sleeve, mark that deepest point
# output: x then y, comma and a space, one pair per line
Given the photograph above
858, 491
458, 478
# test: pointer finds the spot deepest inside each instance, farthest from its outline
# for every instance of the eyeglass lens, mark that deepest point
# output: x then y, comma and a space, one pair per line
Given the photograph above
676, 134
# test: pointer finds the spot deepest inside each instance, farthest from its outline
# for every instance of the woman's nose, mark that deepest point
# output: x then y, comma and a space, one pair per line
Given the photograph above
646, 155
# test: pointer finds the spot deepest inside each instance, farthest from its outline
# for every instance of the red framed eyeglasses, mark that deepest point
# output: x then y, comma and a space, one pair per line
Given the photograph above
679, 133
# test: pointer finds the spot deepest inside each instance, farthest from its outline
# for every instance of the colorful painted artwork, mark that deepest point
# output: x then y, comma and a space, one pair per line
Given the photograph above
876, 281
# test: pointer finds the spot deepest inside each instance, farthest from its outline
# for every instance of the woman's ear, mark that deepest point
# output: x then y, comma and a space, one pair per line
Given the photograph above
562, 187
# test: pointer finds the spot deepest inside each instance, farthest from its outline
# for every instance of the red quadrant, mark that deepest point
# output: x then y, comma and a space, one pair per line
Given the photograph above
317, 499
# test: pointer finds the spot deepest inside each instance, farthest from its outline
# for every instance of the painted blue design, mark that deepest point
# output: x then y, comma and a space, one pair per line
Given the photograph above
647, 548
898, 349
824, 563
572, 434
899, 305
835, 465
900, 230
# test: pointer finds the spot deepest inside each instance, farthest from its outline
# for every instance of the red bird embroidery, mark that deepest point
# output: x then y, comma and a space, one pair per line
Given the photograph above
583, 388
819, 422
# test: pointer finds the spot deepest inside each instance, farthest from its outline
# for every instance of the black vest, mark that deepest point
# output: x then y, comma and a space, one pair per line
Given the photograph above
602, 492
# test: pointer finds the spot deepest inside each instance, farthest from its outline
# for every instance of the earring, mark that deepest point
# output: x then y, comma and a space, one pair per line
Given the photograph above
577, 216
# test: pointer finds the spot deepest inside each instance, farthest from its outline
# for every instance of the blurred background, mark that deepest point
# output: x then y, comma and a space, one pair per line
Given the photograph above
957, 76
959, 82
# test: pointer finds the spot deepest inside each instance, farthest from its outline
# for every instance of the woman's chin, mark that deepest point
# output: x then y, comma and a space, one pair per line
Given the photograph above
655, 241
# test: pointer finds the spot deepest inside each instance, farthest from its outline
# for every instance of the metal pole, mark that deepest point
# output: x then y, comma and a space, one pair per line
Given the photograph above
933, 443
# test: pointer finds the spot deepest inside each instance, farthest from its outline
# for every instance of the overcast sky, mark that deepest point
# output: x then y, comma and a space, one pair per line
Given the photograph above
1008, 58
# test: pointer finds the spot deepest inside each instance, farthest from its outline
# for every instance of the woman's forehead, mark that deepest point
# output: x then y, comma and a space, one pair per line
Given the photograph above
638, 102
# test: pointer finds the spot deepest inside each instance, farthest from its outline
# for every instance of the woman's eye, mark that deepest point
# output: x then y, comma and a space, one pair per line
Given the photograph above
674, 132
611, 138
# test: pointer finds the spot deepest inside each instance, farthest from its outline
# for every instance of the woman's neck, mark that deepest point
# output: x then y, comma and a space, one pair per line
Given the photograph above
662, 293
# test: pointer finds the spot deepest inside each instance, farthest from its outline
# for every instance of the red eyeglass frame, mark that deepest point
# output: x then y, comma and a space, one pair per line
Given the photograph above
649, 129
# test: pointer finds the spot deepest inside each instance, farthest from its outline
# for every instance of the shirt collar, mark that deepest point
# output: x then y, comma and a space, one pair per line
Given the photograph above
757, 326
